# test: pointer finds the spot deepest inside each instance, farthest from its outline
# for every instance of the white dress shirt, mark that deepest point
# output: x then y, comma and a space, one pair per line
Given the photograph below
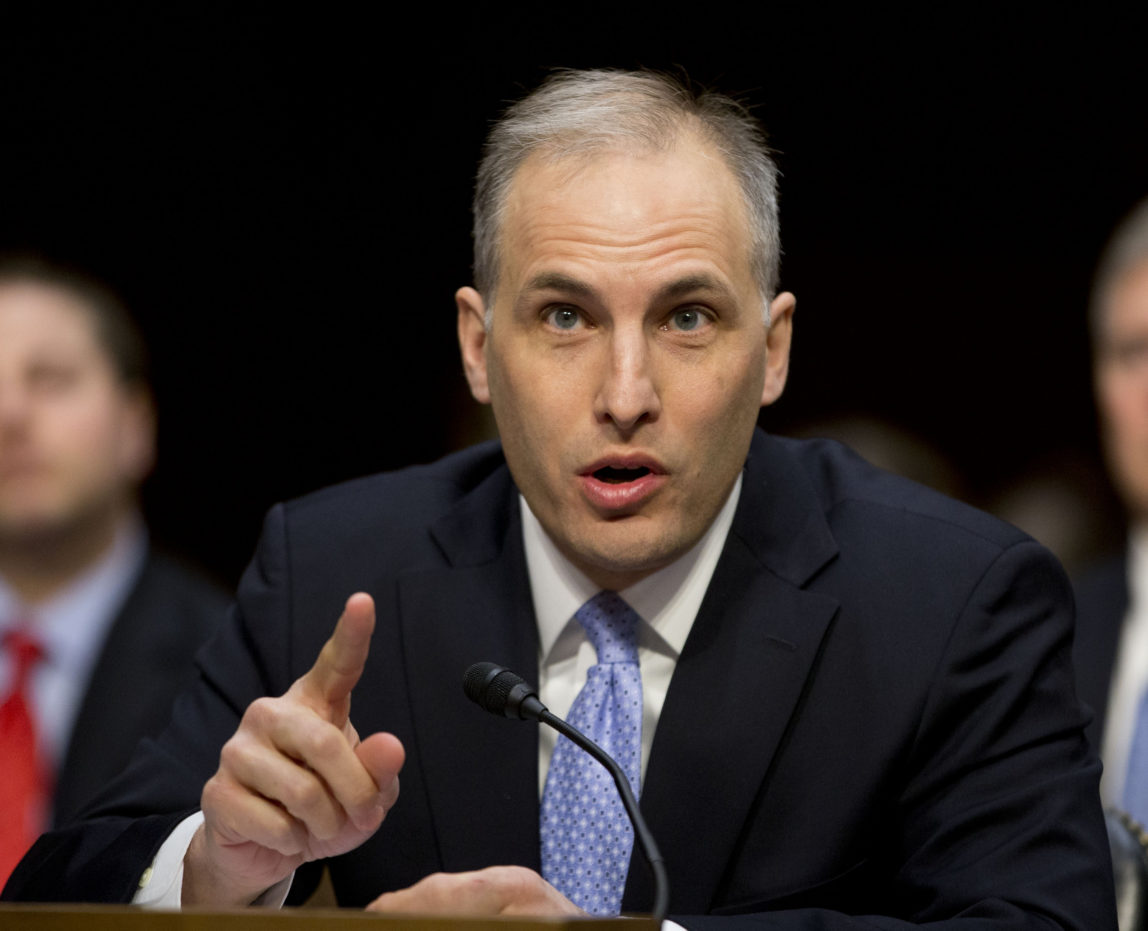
666, 601
1130, 674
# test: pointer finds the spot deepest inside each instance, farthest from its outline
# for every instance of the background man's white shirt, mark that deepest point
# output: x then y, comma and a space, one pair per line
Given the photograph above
1130, 675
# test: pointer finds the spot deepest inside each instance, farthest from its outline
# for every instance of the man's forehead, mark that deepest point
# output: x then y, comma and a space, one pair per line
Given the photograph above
46, 314
618, 197
1126, 303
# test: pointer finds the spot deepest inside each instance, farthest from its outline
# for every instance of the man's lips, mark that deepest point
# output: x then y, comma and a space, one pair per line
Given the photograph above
614, 484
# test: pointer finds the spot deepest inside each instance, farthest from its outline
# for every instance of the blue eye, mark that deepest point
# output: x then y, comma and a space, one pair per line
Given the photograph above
564, 318
688, 318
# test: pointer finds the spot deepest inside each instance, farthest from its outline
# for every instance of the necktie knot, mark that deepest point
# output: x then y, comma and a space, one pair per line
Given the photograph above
612, 626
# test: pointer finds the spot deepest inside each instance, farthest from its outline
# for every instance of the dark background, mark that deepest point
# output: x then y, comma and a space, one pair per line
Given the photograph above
283, 199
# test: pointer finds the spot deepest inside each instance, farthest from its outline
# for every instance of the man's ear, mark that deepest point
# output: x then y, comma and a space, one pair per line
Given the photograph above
137, 433
777, 346
472, 341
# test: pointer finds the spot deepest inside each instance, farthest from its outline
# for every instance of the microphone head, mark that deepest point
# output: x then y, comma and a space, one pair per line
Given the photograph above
500, 691
485, 685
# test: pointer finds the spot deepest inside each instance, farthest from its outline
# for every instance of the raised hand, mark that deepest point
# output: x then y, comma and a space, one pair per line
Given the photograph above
295, 783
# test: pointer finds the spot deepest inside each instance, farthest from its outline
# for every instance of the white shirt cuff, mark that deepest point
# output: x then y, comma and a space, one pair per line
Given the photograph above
161, 885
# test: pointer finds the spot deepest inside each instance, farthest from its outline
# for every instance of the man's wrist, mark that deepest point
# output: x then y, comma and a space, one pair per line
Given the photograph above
204, 884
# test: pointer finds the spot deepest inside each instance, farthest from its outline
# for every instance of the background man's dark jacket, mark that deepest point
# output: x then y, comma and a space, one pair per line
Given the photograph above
1101, 603
144, 662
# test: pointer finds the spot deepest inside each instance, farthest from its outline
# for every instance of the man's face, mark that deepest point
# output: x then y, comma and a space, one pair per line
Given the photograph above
73, 439
1122, 385
628, 354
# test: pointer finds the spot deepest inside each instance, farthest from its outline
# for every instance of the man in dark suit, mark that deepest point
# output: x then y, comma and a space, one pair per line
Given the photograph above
856, 694
1112, 642
117, 622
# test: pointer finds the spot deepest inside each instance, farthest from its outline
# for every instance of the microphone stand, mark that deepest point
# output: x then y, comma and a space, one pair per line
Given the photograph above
498, 690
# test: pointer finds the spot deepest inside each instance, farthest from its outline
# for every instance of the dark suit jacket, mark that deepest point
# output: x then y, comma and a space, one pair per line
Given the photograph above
145, 661
873, 714
1101, 603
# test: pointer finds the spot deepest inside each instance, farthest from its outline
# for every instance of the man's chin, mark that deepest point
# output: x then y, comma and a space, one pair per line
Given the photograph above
31, 530
46, 526
625, 563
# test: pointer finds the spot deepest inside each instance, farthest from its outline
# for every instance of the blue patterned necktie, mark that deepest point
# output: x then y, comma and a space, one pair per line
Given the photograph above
1135, 799
586, 835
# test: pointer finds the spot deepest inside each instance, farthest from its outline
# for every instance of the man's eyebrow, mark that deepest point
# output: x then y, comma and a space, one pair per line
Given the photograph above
556, 281
691, 284
680, 287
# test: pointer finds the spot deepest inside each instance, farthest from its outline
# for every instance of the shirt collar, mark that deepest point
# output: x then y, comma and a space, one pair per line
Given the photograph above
667, 600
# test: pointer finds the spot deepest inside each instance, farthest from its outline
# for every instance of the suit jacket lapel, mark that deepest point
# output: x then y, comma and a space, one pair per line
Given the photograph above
737, 682
481, 772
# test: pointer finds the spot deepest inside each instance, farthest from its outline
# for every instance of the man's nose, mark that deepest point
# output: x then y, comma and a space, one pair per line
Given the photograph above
628, 394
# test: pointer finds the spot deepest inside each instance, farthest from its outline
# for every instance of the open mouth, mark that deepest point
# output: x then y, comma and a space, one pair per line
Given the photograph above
621, 485
613, 476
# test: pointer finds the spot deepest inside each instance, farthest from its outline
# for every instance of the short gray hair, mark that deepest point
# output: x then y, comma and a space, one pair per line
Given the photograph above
585, 112
1126, 248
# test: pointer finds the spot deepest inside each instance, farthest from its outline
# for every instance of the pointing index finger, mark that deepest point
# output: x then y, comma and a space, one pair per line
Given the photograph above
327, 685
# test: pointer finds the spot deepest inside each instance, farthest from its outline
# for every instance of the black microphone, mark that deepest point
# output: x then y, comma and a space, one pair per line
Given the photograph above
500, 691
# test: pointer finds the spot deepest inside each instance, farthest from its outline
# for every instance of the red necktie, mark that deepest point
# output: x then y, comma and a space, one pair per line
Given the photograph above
24, 780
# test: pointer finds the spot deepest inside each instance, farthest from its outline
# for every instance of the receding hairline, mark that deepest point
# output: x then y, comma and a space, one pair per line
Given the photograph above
688, 139
583, 112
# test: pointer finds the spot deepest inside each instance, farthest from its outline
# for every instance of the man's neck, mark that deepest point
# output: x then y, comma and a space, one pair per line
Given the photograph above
38, 567
667, 600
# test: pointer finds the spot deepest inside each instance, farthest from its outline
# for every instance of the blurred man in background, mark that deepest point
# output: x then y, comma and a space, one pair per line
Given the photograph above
1112, 629
97, 629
